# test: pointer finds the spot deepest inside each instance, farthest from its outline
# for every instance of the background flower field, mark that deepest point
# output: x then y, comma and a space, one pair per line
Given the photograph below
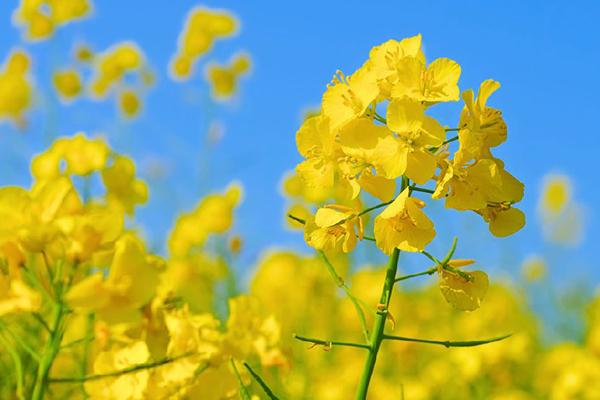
159, 143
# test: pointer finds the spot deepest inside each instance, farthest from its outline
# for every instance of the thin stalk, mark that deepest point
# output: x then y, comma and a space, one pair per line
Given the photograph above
339, 281
20, 341
330, 343
244, 394
430, 271
448, 343
124, 371
423, 190
18, 366
378, 326
261, 382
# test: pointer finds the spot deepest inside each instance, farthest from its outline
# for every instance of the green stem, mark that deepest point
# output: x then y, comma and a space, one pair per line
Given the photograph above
89, 334
430, 271
447, 343
423, 190
244, 394
124, 371
49, 352
378, 326
18, 366
261, 382
329, 343
339, 281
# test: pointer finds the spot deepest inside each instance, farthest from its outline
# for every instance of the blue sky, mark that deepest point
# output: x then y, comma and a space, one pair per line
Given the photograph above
545, 54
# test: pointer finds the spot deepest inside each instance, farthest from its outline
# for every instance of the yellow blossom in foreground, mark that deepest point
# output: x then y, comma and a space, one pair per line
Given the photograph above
131, 283
436, 82
130, 386
481, 127
335, 228
386, 59
465, 292
403, 225
16, 296
67, 83
347, 98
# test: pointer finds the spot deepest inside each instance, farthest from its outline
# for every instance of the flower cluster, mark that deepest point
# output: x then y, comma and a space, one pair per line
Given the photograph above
203, 28
40, 18
121, 69
146, 325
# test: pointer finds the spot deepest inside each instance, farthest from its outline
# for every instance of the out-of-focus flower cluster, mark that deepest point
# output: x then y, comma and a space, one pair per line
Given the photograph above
120, 71
202, 30
68, 261
40, 18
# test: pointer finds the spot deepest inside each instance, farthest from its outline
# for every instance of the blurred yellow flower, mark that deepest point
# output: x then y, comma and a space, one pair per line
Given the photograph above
16, 90
223, 79
202, 28
67, 83
39, 18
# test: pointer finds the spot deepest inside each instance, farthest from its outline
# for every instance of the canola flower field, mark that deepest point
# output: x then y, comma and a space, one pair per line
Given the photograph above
89, 309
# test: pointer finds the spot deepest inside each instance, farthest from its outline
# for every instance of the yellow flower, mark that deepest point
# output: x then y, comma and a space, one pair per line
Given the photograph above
533, 268
387, 57
249, 332
203, 27
112, 65
122, 186
416, 133
347, 98
213, 215
16, 90
131, 386
67, 83
83, 53
431, 84
556, 194
130, 284
334, 228
503, 220
40, 17
316, 142
481, 127
129, 103
464, 293
82, 156
16, 296
403, 225
223, 79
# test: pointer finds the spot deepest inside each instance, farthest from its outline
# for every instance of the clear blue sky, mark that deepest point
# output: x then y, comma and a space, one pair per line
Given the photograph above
545, 54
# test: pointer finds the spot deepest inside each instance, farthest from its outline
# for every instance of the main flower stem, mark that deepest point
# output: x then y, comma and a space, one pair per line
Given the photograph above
377, 335
49, 352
